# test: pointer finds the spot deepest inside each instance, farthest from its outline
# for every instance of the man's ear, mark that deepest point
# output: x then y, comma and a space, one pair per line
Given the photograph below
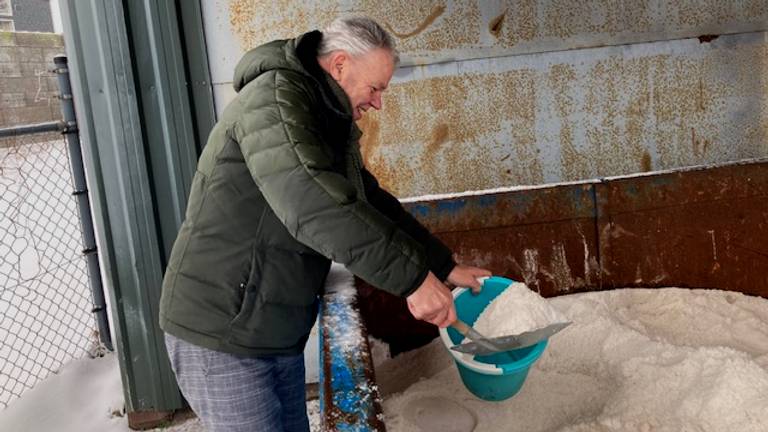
339, 61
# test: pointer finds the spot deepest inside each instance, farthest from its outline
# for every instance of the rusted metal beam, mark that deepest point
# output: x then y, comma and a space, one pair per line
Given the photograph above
349, 397
702, 227
543, 236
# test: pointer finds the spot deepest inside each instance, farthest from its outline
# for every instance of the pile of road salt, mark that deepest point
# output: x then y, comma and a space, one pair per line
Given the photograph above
516, 310
633, 360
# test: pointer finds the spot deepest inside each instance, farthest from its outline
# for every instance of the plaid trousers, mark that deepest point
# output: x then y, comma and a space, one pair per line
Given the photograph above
239, 394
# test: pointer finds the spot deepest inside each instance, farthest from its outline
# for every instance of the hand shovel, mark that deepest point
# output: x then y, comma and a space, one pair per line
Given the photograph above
482, 345
468, 332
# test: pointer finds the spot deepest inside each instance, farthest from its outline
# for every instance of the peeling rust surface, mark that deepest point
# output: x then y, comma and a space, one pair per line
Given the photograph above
444, 140
544, 237
617, 112
553, 258
349, 396
490, 211
468, 27
705, 228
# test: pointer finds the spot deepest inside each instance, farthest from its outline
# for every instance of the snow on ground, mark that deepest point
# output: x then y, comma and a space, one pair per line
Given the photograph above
87, 396
45, 299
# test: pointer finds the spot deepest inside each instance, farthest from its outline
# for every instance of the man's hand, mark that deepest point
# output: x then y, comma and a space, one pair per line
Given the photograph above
466, 276
432, 302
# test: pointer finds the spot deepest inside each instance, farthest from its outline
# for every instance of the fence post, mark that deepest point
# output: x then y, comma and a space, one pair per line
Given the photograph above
72, 138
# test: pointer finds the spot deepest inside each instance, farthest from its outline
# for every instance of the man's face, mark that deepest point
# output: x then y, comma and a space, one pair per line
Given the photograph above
365, 78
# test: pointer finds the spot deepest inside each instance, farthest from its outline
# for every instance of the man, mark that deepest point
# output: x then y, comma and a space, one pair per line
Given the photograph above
280, 191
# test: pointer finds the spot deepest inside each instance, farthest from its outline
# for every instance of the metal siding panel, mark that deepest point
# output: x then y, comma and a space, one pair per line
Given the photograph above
570, 115
166, 112
110, 121
537, 107
703, 228
201, 87
543, 237
463, 29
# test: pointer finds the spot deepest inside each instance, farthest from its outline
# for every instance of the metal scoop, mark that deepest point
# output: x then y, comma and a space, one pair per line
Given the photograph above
481, 345
470, 333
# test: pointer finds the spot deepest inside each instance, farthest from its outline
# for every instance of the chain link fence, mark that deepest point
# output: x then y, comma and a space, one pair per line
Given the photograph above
46, 316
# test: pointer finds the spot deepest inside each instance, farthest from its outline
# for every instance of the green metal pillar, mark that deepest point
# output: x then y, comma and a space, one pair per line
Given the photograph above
145, 107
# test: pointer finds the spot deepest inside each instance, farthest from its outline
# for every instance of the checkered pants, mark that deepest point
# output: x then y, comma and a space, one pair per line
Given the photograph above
234, 394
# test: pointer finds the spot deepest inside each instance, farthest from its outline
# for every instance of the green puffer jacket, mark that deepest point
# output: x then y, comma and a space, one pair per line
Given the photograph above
280, 191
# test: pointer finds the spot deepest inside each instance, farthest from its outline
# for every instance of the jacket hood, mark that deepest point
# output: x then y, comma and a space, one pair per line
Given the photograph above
278, 54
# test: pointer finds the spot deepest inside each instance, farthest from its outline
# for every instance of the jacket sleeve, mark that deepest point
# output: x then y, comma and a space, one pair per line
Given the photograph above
280, 138
439, 256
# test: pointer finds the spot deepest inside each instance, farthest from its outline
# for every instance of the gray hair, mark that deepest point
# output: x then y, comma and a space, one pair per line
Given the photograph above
357, 36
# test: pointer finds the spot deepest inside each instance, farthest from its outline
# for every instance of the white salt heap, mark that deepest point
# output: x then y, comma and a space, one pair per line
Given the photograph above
633, 360
516, 310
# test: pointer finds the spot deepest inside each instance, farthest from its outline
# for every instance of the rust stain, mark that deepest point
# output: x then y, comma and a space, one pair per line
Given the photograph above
369, 142
645, 162
707, 38
459, 26
699, 145
563, 82
462, 111
495, 25
694, 143
436, 12
438, 138
607, 115
254, 22
241, 15
564, 19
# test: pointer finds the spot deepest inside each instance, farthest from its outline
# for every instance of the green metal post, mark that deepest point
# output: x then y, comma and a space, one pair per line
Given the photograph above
141, 134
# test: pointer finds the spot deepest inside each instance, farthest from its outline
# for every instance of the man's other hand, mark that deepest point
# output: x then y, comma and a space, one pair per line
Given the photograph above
466, 276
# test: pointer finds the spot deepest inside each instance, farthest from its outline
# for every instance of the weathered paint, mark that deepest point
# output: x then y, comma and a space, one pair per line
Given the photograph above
702, 227
534, 106
699, 228
349, 398
440, 31
570, 115
544, 237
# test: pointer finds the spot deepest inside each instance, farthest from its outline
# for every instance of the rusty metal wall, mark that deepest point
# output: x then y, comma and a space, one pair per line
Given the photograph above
698, 228
572, 115
497, 93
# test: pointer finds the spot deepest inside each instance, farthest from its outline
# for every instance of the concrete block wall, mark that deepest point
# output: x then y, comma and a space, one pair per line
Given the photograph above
27, 85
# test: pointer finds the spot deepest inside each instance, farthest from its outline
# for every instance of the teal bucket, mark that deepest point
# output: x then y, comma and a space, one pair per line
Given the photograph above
493, 377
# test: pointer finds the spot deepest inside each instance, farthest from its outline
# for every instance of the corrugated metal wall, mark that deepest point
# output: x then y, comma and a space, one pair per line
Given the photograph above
520, 92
